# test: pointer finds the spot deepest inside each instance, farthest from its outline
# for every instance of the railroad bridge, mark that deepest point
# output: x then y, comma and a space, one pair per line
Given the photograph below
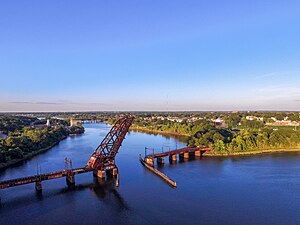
183, 153
102, 161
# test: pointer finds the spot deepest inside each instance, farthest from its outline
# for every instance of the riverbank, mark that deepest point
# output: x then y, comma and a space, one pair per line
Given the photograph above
246, 153
144, 130
253, 152
28, 156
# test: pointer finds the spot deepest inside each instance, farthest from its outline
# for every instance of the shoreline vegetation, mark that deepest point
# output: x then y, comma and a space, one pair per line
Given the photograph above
145, 130
74, 132
29, 136
28, 156
223, 154
253, 152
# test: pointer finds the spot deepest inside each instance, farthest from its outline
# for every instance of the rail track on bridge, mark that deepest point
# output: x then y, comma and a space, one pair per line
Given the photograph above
101, 162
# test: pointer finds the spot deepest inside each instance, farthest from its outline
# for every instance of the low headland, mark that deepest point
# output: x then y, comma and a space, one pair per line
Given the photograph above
28, 137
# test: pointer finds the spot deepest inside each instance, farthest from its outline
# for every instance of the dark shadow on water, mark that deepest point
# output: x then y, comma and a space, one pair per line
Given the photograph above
106, 191
169, 163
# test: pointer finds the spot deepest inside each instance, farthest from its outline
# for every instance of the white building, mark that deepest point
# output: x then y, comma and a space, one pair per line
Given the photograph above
48, 123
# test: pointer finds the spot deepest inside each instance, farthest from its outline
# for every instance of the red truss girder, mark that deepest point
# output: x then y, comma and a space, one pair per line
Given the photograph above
103, 157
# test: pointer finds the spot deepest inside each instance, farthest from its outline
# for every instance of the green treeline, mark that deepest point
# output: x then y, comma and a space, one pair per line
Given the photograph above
228, 141
22, 143
10, 123
248, 136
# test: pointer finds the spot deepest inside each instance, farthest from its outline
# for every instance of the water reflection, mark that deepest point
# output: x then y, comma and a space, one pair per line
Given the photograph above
107, 192
104, 189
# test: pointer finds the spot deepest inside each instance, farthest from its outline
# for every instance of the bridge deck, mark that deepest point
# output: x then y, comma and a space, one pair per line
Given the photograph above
42, 177
178, 151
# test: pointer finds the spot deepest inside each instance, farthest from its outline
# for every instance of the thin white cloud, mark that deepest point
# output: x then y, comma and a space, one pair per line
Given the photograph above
265, 75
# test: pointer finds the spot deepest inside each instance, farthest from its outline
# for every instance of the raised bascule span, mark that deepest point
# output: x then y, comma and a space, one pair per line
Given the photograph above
102, 160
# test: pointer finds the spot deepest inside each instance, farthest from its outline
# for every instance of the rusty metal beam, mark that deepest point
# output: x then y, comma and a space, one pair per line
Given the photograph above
103, 157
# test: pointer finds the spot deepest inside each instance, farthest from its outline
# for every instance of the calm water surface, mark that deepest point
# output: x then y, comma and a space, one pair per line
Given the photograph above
246, 190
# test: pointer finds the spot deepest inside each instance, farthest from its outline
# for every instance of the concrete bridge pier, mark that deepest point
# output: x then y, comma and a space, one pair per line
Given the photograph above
38, 186
173, 158
99, 173
198, 153
70, 179
112, 172
184, 155
149, 161
160, 160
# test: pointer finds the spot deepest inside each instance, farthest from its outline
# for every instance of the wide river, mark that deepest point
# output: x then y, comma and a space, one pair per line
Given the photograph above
261, 189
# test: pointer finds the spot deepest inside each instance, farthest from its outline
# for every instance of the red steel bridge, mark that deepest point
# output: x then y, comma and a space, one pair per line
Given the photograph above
184, 153
101, 161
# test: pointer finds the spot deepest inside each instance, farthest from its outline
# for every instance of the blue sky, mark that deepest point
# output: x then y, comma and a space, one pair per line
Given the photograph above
149, 55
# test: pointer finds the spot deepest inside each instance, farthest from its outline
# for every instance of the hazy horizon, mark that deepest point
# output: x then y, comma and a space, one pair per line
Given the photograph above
149, 56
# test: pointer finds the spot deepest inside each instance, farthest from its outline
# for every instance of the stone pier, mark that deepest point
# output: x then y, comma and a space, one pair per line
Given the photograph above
149, 161
198, 153
38, 185
99, 173
173, 158
112, 172
70, 179
160, 160
184, 155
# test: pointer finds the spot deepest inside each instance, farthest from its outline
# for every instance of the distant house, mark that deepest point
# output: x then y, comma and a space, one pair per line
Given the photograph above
284, 123
251, 118
219, 122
